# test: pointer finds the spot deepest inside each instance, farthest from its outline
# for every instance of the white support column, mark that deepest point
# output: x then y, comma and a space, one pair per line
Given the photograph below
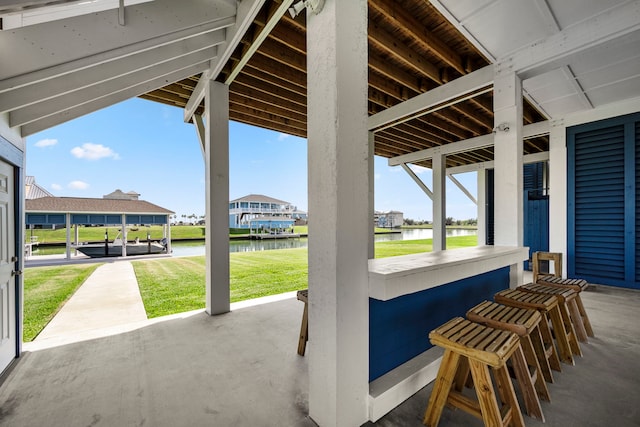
372, 203
558, 190
217, 198
482, 207
68, 234
507, 105
339, 203
76, 238
124, 234
439, 169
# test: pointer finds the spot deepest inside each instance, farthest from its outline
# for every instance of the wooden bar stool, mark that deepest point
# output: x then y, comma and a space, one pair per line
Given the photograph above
482, 347
523, 322
556, 279
547, 305
304, 327
568, 309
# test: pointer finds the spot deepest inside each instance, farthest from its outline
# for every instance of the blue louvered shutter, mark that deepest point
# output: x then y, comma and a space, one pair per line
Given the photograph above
603, 189
599, 203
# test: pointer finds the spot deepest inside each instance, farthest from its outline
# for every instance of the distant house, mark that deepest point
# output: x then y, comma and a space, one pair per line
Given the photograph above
391, 219
33, 190
120, 195
258, 212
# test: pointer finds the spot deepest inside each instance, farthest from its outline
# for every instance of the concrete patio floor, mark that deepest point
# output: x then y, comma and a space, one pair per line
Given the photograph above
241, 369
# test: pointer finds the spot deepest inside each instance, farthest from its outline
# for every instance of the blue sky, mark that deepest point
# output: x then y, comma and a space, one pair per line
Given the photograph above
146, 147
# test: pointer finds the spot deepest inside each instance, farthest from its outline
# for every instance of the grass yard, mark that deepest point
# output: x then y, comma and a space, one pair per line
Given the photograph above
46, 289
175, 285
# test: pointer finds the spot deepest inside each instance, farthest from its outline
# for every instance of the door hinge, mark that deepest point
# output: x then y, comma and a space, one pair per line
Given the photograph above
16, 272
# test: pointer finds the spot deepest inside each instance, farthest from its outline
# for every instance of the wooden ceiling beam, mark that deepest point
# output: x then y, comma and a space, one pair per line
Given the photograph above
268, 117
280, 53
257, 104
266, 98
269, 79
290, 38
390, 45
278, 127
272, 90
473, 115
267, 65
394, 13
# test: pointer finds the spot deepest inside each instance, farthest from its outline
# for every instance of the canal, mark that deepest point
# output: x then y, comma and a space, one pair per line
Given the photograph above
197, 247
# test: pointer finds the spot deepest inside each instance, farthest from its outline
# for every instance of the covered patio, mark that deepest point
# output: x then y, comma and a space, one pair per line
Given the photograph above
452, 86
173, 371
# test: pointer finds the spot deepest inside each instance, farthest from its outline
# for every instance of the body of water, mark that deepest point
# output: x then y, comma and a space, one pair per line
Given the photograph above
193, 248
197, 248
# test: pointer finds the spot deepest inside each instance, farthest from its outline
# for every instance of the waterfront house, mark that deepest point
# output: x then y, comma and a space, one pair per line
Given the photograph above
262, 213
390, 219
454, 86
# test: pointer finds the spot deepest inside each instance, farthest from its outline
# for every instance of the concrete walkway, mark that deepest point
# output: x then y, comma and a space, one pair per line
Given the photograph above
109, 297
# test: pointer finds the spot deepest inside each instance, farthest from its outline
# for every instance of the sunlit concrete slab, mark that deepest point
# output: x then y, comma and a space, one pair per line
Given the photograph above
242, 369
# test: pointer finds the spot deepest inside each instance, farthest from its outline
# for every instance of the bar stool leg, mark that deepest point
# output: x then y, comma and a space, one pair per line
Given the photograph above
304, 331
547, 339
486, 396
577, 320
541, 354
521, 370
441, 387
507, 396
585, 318
532, 360
564, 348
571, 332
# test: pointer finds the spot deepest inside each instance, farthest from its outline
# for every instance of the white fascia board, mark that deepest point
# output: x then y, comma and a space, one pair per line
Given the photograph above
98, 74
454, 147
103, 39
554, 50
113, 98
435, 99
528, 131
529, 158
246, 13
69, 100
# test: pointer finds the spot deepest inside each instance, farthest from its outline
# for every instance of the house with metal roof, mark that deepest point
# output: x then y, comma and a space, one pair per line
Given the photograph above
77, 211
259, 212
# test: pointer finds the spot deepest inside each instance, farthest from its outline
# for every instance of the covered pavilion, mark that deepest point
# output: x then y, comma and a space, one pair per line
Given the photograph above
76, 211
454, 86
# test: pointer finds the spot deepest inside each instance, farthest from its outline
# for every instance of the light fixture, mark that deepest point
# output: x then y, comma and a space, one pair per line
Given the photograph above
504, 127
315, 6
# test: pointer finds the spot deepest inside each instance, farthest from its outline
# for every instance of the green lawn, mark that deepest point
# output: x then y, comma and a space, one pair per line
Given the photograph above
174, 285
46, 289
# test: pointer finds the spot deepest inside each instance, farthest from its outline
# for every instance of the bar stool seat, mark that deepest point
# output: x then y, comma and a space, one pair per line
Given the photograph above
304, 327
556, 279
577, 285
482, 348
547, 305
523, 322
568, 309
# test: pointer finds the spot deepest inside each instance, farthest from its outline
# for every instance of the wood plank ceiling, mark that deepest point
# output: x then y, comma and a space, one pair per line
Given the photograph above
412, 49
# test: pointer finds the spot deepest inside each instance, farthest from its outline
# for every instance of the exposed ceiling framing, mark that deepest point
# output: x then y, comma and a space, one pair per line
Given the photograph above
412, 49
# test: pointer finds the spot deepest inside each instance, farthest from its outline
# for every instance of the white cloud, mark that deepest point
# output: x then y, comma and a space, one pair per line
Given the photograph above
377, 176
46, 143
283, 136
419, 169
92, 151
78, 185
56, 187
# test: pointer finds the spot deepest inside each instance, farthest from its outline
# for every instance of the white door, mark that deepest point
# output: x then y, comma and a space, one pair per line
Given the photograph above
8, 340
